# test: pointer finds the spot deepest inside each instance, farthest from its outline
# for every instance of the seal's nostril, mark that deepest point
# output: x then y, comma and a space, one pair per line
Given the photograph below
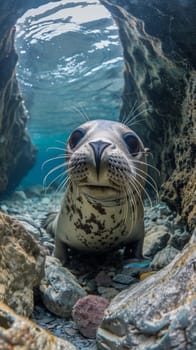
98, 148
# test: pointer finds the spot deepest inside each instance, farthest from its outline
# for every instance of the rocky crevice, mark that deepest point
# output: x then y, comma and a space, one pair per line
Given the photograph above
17, 153
158, 47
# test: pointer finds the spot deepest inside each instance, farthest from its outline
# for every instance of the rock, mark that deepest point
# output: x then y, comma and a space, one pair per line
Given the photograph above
17, 332
34, 191
124, 278
59, 288
103, 279
107, 292
179, 239
4, 208
21, 265
88, 314
156, 239
90, 286
157, 313
164, 210
19, 196
164, 257
45, 200
153, 34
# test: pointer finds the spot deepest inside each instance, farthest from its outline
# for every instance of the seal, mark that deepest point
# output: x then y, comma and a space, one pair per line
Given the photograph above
102, 208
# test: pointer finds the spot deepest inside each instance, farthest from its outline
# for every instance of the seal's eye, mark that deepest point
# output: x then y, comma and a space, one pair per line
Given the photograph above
75, 137
132, 143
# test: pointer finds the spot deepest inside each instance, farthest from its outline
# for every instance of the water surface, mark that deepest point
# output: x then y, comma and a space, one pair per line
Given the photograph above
70, 69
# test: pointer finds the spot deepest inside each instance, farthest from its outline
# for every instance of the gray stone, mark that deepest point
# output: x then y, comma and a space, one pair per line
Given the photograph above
19, 196
164, 210
34, 191
45, 200
179, 239
156, 239
107, 292
124, 278
157, 313
59, 288
164, 257
4, 208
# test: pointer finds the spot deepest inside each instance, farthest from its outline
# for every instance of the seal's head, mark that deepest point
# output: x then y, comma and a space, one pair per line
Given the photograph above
106, 161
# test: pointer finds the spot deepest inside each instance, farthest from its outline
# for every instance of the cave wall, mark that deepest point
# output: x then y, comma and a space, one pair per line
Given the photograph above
159, 47
17, 153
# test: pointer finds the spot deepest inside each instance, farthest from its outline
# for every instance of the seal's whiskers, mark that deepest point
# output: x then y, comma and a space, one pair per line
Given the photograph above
64, 184
132, 117
147, 164
146, 175
82, 112
133, 121
132, 203
52, 171
125, 192
154, 188
60, 156
134, 184
62, 174
55, 148
145, 192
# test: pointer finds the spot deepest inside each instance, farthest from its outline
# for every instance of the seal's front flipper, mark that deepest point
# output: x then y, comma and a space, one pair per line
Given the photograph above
47, 223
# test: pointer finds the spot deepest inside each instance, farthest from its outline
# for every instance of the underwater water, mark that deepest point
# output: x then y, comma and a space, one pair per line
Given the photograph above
70, 69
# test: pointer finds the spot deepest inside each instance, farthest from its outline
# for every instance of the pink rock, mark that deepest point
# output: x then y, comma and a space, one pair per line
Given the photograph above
88, 314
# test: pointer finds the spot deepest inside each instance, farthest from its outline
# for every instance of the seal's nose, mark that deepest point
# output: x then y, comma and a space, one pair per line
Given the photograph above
98, 148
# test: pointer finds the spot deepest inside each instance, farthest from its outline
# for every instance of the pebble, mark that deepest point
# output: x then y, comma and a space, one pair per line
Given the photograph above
4, 208
103, 279
45, 201
124, 279
91, 286
18, 195
107, 292
119, 286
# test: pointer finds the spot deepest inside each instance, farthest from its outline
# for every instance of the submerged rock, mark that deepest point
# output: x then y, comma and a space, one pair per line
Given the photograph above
164, 257
179, 239
59, 288
156, 238
21, 265
157, 313
17, 332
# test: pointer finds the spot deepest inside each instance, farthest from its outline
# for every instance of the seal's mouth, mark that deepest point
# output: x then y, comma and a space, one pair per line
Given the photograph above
104, 194
101, 188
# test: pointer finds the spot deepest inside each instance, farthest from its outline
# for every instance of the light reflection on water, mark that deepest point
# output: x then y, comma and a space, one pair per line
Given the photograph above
69, 57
